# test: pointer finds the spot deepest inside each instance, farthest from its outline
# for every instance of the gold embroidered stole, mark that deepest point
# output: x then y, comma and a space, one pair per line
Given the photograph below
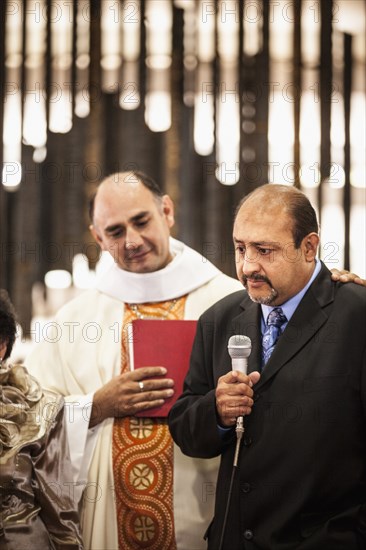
143, 460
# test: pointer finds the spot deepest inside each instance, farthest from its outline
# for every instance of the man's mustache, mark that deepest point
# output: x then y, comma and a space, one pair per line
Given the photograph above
256, 277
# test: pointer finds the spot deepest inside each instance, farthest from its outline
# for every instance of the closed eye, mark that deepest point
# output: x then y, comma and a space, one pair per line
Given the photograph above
114, 231
141, 223
116, 234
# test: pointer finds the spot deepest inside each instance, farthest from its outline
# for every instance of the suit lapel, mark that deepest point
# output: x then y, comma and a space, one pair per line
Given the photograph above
248, 323
307, 320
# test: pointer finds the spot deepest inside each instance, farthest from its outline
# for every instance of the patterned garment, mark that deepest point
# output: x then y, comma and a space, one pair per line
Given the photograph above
143, 460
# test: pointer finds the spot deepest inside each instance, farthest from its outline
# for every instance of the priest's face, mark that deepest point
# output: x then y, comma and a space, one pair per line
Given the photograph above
133, 225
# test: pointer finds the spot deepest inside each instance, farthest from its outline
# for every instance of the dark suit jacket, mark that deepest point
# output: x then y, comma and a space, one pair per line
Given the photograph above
301, 477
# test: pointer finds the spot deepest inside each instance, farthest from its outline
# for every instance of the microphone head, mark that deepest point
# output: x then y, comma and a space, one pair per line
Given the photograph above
239, 346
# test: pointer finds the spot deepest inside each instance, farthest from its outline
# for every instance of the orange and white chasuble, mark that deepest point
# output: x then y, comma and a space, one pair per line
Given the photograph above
143, 459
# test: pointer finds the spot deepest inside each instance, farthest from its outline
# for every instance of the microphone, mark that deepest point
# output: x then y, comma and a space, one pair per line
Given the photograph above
239, 348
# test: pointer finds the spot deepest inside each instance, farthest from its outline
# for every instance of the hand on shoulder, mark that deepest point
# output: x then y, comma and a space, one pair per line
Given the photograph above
345, 276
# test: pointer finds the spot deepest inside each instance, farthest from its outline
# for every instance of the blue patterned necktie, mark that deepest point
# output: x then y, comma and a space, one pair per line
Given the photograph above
276, 319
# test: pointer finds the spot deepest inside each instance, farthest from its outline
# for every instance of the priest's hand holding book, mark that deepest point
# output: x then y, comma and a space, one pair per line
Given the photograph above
148, 390
131, 393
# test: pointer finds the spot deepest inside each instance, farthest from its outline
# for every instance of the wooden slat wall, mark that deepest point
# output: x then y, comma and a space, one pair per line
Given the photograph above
49, 211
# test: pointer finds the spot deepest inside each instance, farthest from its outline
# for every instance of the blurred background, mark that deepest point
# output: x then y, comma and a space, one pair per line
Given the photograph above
212, 98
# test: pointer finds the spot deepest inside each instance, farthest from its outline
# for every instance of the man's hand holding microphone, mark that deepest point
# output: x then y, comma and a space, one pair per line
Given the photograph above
234, 391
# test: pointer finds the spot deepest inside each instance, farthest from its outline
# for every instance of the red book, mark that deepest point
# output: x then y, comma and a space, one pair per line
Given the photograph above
164, 343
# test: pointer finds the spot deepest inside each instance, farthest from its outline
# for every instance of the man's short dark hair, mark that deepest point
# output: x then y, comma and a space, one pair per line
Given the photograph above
303, 216
297, 205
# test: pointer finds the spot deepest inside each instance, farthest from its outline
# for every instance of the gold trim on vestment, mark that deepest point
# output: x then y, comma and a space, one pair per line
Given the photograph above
143, 461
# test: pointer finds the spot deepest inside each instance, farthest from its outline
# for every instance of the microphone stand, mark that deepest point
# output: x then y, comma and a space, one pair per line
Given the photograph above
239, 429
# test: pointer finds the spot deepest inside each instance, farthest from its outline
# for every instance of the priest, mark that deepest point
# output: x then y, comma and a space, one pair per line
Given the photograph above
138, 489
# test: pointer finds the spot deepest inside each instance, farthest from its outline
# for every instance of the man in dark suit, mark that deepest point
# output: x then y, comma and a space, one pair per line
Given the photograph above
300, 482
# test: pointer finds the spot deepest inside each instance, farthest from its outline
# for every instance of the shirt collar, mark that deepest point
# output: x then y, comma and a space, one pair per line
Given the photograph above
290, 306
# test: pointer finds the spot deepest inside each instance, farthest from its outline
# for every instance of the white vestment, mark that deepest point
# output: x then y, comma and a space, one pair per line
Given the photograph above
83, 352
